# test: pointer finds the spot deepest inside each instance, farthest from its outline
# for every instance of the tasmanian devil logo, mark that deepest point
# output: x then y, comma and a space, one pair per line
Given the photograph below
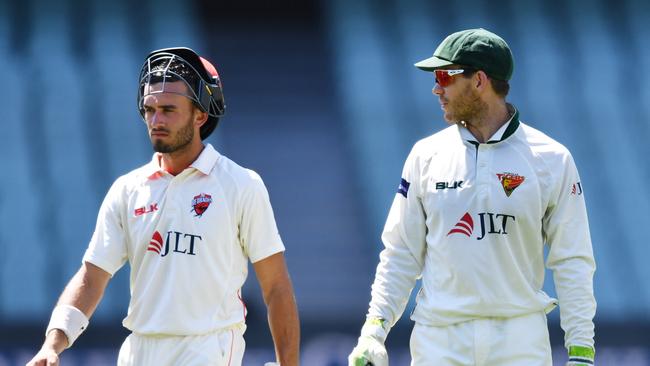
510, 181
200, 204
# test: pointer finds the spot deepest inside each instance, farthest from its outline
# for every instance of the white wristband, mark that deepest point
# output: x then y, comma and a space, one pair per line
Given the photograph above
69, 320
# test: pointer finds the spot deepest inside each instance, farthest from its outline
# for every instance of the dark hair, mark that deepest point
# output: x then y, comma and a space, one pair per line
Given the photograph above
500, 87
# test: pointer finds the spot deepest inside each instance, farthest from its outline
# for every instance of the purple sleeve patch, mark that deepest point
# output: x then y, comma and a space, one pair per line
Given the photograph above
403, 188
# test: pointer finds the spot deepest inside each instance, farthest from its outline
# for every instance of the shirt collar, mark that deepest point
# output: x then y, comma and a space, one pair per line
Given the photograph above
502, 133
206, 160
204, 163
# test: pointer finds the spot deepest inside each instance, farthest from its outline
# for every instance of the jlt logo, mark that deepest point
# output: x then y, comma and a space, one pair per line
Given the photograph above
491, 223
576, 189
180, 241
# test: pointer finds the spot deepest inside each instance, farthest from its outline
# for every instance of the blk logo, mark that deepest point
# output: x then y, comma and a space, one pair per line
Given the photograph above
448, 185
491, 223
181, 243
145, 210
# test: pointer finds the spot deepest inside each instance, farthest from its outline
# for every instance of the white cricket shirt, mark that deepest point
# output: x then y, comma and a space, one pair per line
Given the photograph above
188, 239
472, 219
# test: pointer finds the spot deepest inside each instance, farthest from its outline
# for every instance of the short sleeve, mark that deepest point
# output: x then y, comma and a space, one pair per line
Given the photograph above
107, 249
258, 231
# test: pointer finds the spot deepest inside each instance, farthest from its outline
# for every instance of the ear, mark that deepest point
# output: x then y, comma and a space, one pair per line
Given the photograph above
481, 80
200, 117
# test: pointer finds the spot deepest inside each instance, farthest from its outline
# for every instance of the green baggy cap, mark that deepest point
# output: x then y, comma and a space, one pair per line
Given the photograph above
478, 48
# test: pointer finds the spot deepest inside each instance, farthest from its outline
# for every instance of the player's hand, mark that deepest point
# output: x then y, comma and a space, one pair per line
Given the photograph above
371, 350
368, 351
581, 356
45, 357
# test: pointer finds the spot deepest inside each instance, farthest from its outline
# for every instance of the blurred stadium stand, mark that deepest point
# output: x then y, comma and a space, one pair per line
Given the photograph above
324, 103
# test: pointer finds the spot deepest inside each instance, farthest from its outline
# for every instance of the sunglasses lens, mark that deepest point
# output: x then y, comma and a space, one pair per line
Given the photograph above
442, 78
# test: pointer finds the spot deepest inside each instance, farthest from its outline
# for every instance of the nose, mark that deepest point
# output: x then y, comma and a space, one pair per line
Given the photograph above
437, 90
155, 119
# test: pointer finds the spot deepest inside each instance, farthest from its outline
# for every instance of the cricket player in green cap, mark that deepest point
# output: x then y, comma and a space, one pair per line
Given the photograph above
476, 205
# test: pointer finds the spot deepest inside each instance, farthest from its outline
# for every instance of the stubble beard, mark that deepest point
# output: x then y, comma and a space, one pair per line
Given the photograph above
184, 137
467, 108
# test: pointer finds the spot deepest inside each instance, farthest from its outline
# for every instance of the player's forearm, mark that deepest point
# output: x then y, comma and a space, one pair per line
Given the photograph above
573, 281
75, 306
395, 278
85, 289
285, 326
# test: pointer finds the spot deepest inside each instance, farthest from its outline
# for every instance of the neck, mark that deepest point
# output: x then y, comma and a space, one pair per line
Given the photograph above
177, 161
489, 122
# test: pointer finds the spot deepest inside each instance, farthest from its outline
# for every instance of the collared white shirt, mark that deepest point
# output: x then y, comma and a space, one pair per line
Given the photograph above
188, 239
472, 219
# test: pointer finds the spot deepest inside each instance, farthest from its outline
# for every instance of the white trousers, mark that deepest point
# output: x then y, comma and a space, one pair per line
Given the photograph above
517, 341
221, 348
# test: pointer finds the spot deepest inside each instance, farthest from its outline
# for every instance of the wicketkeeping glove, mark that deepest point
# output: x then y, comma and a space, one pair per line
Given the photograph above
370, 350
581, 356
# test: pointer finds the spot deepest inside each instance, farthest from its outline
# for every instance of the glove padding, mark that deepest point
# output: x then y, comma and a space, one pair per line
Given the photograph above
371, 350
368, 351
581, 356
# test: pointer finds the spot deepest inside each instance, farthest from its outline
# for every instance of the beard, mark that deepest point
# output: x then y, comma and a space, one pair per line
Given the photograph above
466, 107
183, 138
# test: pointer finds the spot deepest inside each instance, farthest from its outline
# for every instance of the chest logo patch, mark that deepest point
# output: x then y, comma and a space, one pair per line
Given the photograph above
489, 223
156, 243
464, 226
200, 204
510, 181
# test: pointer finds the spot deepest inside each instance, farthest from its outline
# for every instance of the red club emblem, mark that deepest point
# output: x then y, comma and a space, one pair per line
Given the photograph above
200, 204
510, 181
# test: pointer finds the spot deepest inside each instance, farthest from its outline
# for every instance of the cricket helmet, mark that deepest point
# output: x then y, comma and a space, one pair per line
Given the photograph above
200, 76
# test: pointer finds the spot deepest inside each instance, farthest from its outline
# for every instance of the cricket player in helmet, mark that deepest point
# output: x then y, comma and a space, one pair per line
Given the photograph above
188, 223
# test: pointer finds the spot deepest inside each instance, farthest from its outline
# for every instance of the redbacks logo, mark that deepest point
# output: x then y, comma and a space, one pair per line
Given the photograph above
200, 204
491, 223
510, 181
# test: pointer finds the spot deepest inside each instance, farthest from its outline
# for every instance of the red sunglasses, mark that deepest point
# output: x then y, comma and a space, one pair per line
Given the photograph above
444, 78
